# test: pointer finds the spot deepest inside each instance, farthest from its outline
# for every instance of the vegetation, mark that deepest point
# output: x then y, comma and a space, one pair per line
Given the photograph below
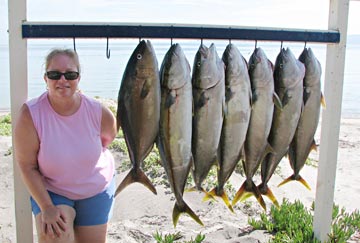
169, 238
293, 222
5, 125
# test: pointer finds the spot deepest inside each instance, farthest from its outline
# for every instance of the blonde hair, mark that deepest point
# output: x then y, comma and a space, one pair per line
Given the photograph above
58, 51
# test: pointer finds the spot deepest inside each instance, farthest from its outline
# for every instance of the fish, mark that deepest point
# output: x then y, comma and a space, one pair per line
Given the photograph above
303, 141
175, 131
288, 79
256, 144
138, 111
208, 81
236, 118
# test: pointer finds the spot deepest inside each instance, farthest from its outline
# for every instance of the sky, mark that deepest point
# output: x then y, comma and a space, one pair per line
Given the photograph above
299, 14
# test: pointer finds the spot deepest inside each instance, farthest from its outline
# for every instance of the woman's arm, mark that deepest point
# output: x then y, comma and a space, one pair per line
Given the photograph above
108, 126
27, 145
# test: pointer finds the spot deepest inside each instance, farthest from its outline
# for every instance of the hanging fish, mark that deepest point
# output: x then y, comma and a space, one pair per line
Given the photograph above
236, 118
288, 77
138, 111
256, 143
175, 130
303, 141
209, 100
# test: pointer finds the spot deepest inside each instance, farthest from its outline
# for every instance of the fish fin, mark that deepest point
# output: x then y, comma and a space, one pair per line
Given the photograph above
228, 94
277, 101
136, 176
203, 100
239, 194
268, 150
185, 209
191, 189
254, 97
208, 195
302, 181
145, 89
265, 190
170, 99
224, 108
313, 146
306, 95
286, 99
323, 103
224, 197
292, 178
243, 194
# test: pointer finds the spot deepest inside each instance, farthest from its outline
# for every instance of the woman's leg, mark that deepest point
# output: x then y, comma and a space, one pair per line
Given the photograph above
67, 237
91, 234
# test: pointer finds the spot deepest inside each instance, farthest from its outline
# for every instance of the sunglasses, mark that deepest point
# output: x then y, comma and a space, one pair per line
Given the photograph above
56, 75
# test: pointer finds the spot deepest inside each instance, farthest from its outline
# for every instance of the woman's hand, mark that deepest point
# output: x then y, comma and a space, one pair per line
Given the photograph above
53, 222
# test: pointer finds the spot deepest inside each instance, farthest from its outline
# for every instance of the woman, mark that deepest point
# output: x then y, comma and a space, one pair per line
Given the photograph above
60, 140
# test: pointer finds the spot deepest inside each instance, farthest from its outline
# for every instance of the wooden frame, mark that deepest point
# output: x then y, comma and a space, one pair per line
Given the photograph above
335, 63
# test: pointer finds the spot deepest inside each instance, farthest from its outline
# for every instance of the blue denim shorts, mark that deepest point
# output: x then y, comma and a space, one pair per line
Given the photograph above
94, 210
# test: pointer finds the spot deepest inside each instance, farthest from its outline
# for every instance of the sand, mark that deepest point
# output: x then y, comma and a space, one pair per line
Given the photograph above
138, 214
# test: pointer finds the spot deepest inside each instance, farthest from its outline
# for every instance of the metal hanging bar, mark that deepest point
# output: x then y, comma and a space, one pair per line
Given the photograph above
134, 30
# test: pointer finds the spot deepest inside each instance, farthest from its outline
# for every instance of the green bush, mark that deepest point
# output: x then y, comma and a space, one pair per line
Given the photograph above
170, 238
293, 222
5, 125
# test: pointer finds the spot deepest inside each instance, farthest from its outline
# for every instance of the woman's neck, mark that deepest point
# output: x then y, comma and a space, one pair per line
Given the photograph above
65, 106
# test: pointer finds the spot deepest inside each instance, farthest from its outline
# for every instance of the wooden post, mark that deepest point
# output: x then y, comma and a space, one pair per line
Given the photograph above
18, 95
331, 116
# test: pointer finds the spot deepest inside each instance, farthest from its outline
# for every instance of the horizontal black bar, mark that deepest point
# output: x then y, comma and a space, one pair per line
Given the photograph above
125, 30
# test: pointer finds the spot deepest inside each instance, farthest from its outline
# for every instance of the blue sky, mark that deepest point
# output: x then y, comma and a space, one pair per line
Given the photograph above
304, 14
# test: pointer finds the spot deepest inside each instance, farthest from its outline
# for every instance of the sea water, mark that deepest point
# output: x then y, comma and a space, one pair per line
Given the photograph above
101, 77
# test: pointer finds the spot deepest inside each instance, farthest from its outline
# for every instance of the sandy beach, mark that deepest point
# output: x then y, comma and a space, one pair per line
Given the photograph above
138, 214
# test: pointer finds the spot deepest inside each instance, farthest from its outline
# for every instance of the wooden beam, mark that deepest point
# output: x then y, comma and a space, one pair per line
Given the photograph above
18, 95
182, 31
331, 116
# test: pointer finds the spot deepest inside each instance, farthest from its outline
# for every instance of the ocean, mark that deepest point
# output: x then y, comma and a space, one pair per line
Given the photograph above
101, 77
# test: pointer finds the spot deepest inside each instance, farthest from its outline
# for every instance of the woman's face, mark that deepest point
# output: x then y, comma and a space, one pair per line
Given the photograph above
62, 88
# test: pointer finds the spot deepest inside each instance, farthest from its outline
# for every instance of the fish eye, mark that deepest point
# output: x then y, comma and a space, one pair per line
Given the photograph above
139, 56
281, 65
198, 64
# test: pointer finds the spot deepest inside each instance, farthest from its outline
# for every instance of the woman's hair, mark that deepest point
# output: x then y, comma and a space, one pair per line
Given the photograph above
68, 52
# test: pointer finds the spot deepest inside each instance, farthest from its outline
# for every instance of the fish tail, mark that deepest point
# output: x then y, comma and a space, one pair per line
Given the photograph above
239, 194
213, 193
313, 146
323, 102
185, 209
298, 178
191, 189
136, 175
243, 193
208, 195
265, 190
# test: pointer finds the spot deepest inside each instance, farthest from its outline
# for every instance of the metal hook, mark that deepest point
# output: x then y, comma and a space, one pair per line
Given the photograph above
74, 44
201, 41
305, 45
281, 46
107, 48
171, 41
229, 41
255, 44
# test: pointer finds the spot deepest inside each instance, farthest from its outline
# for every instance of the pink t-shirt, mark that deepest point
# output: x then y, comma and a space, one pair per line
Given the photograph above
71, 158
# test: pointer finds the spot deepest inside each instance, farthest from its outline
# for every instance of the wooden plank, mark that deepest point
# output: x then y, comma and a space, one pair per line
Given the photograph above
142, 30
331, 116
18, 95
